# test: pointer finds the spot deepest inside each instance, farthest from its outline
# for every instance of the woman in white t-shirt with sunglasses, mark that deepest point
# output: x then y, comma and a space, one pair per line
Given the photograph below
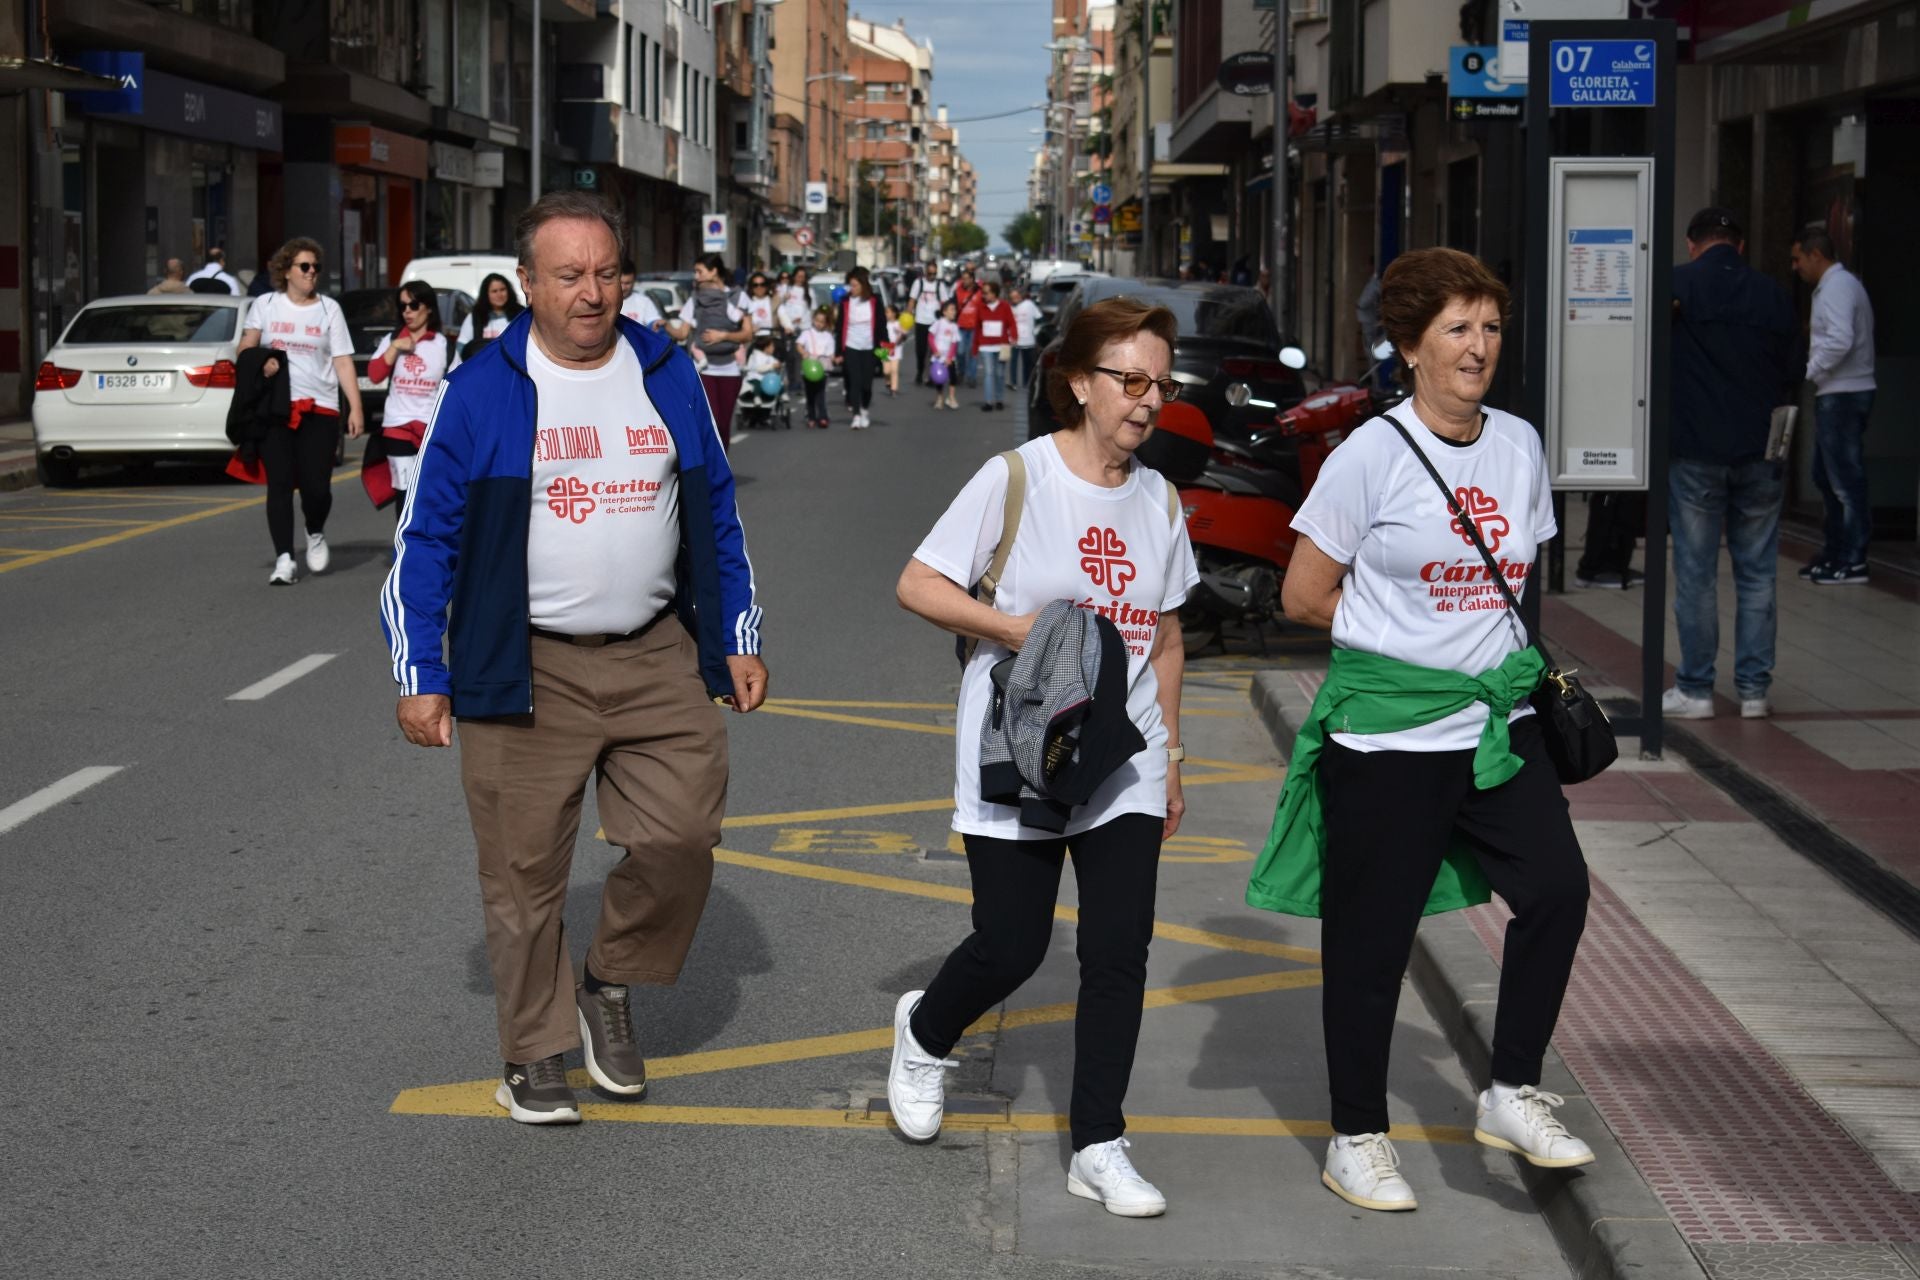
1387, 566
1100, 529
311, 335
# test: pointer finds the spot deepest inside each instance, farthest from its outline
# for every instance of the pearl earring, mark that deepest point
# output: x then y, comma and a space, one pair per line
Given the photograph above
1081, 403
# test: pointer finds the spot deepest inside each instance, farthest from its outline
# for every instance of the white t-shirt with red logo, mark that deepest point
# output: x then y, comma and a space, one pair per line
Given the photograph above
1113, 550
310, 336
638, 307
416, 376
1417, 590
605, 524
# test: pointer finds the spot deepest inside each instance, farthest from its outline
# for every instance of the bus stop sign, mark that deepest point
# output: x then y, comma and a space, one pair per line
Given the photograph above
1600, 73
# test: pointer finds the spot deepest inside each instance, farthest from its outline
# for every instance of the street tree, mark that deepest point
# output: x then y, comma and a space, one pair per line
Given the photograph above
1026, 232
960, 237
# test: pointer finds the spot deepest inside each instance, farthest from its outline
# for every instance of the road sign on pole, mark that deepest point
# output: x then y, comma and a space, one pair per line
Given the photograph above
816, 197
1102, 193
803, 237
713, 233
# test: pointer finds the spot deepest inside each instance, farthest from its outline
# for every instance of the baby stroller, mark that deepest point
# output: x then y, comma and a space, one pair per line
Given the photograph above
764, 402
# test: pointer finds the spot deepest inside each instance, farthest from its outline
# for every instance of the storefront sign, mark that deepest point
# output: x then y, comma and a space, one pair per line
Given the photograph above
1247, 75
365, 146
1127, 217
451, 163
174, 104
490, 169
130, 69
1477, 89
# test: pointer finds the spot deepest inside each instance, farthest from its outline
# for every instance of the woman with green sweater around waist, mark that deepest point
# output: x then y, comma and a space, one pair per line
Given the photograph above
1421, 778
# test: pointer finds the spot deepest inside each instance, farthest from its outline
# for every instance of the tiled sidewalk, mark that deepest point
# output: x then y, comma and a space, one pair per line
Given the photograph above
1844, 742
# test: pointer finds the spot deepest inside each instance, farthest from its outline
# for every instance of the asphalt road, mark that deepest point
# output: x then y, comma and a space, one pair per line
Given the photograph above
247, 1004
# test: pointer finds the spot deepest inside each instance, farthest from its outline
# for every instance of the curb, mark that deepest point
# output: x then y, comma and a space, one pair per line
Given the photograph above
22, 476
1606, 1220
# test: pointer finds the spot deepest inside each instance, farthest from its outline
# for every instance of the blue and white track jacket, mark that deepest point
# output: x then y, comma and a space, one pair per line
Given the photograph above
463, 536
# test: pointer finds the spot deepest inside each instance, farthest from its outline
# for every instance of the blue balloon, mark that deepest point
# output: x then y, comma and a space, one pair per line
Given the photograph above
839, 293
771, 385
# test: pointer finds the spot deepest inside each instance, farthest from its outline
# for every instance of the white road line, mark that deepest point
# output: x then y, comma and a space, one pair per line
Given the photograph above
60, 792
282, 678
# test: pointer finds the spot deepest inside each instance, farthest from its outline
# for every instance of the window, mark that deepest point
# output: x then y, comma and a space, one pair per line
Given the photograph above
626, 65
659, 81
876, 93
640, 79
470, 56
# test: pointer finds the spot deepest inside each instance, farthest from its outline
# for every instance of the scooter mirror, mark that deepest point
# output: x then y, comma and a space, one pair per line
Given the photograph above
1293, 357
1382, 349
1238, 394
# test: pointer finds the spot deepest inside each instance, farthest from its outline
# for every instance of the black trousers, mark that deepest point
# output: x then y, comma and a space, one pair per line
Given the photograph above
860, 366
300, 459
816, 400
920, 352
1389, 816
1614, 522
1015, 886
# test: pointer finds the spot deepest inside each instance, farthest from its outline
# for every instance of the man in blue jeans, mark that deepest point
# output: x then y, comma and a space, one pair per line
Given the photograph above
1840, 367
1732, 364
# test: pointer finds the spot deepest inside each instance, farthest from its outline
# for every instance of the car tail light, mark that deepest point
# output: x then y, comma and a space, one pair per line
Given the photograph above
1256, 370
218, 374
52, 377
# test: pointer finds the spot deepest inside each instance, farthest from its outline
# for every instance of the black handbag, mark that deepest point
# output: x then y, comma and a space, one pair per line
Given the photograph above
1579, 740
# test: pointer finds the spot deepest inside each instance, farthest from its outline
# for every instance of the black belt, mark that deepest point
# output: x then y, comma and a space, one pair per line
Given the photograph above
594, 641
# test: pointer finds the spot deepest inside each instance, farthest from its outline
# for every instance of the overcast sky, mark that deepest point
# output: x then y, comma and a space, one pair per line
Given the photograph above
987, 58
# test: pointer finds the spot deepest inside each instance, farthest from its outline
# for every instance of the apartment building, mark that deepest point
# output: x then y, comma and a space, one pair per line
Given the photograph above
889, 123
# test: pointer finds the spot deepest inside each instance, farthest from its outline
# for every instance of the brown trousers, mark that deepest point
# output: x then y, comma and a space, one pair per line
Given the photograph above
636, 715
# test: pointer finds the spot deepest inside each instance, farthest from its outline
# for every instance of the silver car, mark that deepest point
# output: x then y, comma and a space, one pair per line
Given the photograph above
141, 378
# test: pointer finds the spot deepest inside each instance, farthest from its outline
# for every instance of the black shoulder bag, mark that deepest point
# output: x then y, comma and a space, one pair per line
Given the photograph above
1579, 740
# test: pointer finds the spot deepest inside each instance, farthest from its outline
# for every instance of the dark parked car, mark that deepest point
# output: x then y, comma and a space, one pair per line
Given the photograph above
371, 315
1229, 351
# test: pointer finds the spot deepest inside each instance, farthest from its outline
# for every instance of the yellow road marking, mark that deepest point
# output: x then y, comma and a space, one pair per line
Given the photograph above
37, 516
138, 495
954, 893
869, 706
106, 540
870, 722
475, 1097
954, 1122
799, 816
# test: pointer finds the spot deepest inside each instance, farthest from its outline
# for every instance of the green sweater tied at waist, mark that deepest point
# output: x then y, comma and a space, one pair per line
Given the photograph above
1366, 693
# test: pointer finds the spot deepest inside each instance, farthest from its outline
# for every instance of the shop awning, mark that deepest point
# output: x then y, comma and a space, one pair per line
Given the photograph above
17, 75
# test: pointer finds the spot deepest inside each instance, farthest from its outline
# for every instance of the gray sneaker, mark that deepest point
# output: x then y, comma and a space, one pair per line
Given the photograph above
538, 1092
606, 1036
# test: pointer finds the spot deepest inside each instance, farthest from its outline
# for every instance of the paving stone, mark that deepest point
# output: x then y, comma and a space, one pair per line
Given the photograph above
1802, 1262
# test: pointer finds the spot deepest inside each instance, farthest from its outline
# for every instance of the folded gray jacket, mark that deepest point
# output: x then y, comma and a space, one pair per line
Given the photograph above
1056, 724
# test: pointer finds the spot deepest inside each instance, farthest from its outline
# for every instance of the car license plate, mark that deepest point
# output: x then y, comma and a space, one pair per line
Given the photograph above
133, 382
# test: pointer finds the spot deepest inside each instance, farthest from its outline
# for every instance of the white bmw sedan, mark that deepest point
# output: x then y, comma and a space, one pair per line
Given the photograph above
142, 378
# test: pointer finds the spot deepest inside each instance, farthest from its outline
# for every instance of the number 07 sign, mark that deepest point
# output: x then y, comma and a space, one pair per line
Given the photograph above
1600, 73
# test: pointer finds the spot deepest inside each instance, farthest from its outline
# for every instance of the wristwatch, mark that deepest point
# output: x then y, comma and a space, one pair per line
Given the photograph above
1176, 754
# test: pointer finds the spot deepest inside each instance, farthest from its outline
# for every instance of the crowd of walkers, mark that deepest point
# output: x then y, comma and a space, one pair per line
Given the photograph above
650, 603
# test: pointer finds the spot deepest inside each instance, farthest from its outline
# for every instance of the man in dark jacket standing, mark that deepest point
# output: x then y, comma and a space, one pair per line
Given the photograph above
1733, 338
571, 536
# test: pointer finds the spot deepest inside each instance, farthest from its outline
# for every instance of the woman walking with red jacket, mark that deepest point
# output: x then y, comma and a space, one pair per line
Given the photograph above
994, 333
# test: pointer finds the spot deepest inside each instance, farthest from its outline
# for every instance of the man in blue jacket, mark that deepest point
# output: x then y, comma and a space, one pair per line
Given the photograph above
1733, 340
574, 512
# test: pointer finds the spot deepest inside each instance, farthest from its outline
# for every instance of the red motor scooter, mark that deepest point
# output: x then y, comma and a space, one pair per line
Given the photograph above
1240, 502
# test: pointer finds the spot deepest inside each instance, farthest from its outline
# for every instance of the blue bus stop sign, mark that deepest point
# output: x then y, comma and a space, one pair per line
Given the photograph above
1600, 73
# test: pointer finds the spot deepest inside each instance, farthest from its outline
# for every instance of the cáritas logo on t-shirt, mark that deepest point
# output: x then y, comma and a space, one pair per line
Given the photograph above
1102, 559
1479, 506
569, 498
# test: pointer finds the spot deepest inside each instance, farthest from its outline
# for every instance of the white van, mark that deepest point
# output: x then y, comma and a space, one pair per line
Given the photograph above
464, 271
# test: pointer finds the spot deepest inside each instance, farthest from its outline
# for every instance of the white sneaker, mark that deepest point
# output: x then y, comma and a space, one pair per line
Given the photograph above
283, 574
916, 1084
1364, 1169
318, 557
1678, 704
1523, 1123
1755, 708
860, 421
1102, 1172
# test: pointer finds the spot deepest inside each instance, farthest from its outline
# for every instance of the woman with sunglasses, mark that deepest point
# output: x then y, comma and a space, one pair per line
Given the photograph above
1098, 528
311, 335
758, 302
416, 357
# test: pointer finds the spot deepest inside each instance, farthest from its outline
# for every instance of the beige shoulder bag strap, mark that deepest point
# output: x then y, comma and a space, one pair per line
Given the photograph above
1173, 504
1016, 501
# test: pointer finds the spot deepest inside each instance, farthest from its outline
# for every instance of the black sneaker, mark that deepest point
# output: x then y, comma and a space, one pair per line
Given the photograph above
538, 1092
1836, 575
606, 1036
1812, 567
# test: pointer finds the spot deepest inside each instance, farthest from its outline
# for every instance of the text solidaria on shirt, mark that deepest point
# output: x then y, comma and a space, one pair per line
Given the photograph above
568, 444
